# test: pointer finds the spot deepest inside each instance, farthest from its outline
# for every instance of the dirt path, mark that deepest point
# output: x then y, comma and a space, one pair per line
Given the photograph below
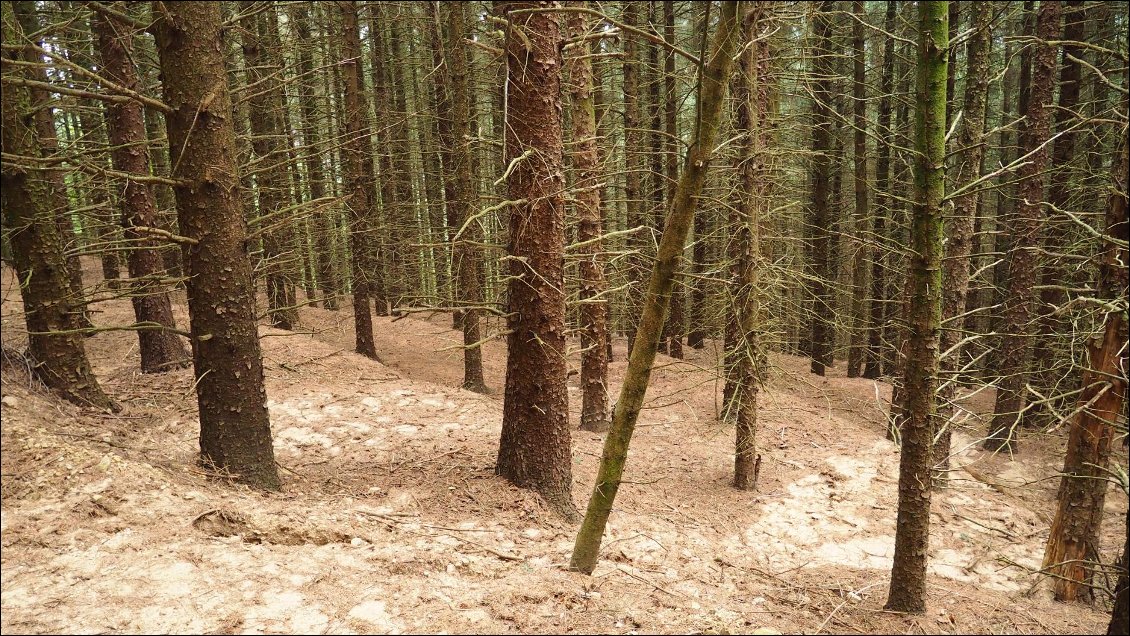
391, 519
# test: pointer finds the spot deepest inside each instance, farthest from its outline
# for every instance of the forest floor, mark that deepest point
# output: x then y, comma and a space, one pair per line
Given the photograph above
391, 519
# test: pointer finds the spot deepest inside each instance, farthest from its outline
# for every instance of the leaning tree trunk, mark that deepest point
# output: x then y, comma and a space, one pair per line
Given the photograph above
465, 255
1074, 538
235, 428
822, 333
161, 349
912, 533
959, 230
1019, 310
51, 312
714, 78
586, 163
534, 448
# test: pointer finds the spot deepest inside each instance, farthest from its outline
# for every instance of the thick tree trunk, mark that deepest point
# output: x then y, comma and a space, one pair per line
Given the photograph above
161, 350
912, 533
51, 312
586, 164
683, 206
1016, 343
820, 222
466, 257
534, 449
359, 180
235, 429
1074, 538
959, 229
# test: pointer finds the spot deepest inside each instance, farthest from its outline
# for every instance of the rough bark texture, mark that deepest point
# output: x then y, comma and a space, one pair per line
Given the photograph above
1074, 538
534, 448
1120, 612
912, 534
161, 350
747, 368
673, 330
959, 227
822, 333
465, 255
586, 165
633, 169
1016, 324
873, 360
50, 311
683, 206
235, 429
359, 179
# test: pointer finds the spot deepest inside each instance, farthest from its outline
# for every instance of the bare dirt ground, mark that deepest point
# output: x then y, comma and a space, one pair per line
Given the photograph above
391, 519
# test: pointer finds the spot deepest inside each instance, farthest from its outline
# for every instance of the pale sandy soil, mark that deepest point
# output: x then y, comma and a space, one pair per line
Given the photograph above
391, 519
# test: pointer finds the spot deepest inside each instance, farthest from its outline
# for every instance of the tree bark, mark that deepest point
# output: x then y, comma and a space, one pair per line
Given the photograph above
912, 534
821, 171
52, 313
858, 334
534, 449
235, 428
714, 78
1016, 343
161, 349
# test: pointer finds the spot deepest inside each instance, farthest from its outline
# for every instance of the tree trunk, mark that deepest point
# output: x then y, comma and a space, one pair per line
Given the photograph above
51, 311
751, 91
586, 163
912, 533
858, 334
1074, 540
359, 180
873, 361
714, 78
959, 230
271, 172
235, 429
161, 350
821, 172
633, 168
1016, 343
466, 256
673, 330
534, 448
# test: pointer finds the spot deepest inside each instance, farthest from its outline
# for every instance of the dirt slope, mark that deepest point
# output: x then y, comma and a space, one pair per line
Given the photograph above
392, 520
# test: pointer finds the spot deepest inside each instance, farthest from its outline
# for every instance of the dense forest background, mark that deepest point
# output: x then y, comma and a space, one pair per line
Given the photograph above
282, 277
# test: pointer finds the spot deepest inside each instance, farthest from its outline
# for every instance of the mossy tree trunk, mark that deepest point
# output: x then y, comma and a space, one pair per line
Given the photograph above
912, 533
714, 79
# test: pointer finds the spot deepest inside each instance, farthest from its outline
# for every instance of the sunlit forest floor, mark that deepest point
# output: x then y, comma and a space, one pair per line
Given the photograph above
391, 519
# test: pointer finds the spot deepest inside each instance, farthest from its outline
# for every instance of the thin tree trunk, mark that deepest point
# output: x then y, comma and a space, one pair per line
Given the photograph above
235, 428
959, 229
857, 335
161, 350
1016, 343
821, 172
586, 163
633, 167
673, 330
714, 78
912, 533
